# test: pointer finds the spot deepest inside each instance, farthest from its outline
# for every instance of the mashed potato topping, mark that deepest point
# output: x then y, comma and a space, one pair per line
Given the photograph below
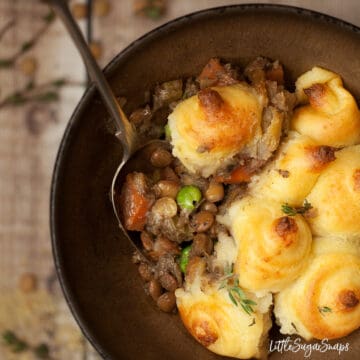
324, 301
272, 249
270, 235
255, 205
214, 321
211, 127
330, 115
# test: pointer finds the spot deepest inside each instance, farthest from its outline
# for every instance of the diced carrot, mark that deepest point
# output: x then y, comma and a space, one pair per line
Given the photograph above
211, 70
215, 74
135, 202
238, 175
276, 74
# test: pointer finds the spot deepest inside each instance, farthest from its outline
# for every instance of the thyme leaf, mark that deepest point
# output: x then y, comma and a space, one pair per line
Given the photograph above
49, 17
324, 309
292, 211
41, 351
6, 63
230, 282
17, 345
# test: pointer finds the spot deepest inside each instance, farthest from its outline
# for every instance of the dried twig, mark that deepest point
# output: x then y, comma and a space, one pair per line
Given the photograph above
27, 45
7, 27
46, 92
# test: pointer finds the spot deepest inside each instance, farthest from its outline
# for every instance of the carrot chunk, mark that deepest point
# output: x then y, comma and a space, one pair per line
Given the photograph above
136, 201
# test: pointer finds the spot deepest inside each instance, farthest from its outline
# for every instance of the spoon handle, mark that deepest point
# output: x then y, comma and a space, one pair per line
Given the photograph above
124, 130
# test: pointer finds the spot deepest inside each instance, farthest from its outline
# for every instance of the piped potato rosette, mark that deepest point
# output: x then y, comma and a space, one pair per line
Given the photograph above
215, 322
323, 303
209, 128
256, 198
336, 197
290, 177
272, 249
330, 115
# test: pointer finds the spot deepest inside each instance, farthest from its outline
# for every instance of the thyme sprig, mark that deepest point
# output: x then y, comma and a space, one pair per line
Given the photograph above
324, 309
6, 28
17, 345
44, 93
152, 9
230, 282
292, 211
29, 44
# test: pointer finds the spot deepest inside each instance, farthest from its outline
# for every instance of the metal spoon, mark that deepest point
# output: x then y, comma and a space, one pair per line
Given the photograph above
125, 132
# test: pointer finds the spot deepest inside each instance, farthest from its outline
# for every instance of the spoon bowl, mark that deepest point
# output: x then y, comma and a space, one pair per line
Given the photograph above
139, 161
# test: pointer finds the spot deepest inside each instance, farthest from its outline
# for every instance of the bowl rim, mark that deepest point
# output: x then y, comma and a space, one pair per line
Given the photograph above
89, 93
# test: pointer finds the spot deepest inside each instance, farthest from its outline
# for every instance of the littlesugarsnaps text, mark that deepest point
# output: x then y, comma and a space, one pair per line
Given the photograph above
297, 345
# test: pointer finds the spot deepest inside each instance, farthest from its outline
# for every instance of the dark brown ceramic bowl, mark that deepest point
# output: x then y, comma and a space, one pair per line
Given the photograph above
92, 258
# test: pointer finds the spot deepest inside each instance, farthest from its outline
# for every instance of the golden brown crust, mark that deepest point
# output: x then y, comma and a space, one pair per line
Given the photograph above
294, 171
211, 101
331, 115
316, 94
287, 229
356, 178
210, 128
200, 328
223, 126
321, 156
342, 318
336, 196
216, 323
323, 302
272, 249
348, 299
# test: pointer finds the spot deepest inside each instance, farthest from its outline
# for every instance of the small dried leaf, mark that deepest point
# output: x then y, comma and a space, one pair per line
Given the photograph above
27, 45
6, 63
59, 82
30, 85
42, 351
49, 17
15, 99
47, 96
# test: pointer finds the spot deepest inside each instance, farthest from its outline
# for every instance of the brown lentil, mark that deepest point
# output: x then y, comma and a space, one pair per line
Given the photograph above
166, 302
165, 207
145, 272
202, 221
167, 188
146, 240
214, 192
163, 246
161, 158
168, 282
155, 289
169, 174
209, 206
202, 245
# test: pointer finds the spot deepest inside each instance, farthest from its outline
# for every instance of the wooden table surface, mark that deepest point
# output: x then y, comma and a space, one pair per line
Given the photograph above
29, 139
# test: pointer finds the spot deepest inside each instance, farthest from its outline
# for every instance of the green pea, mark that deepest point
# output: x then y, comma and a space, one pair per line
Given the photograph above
188, 197
184, 258
167, 132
